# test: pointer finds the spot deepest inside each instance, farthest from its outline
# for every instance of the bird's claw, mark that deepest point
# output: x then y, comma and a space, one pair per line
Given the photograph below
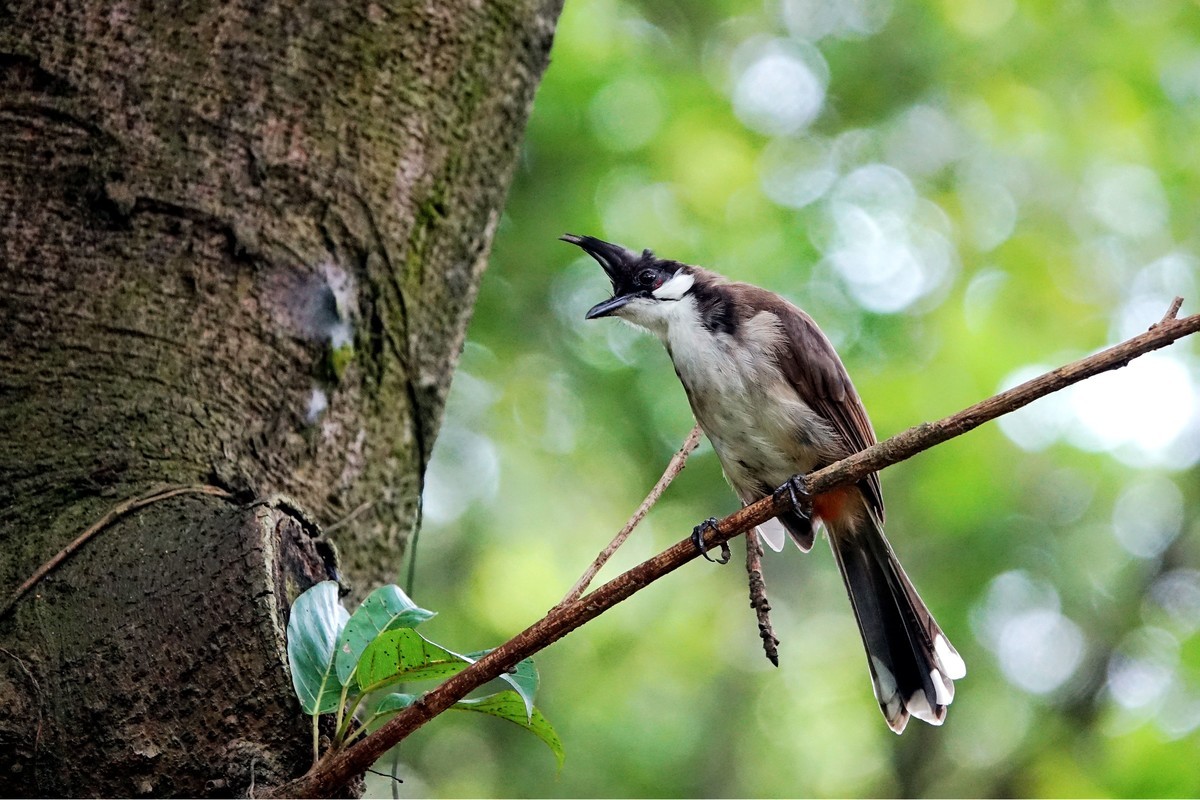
698, 532
797, 495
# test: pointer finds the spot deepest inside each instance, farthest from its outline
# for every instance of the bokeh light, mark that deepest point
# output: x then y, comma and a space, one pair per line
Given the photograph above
815, 19
627, 113
1148, 516
1144, 414
1128, 198
1037, 647
780, 85
889, 246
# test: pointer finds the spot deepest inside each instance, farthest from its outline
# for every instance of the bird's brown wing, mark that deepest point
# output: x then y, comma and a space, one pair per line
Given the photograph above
810, 363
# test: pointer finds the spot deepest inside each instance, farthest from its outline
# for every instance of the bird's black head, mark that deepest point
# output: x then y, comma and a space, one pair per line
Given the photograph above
634, 276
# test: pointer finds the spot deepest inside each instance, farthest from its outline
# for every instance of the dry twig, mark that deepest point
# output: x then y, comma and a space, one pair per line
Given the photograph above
758, 598
1176, 304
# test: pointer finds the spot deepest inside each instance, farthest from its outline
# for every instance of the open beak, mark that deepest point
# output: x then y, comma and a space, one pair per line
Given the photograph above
615, 260
608, 307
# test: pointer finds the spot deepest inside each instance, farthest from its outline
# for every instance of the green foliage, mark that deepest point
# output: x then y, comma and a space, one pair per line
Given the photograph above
523, 678
404, 655
317, 620
338, 659
510, 706
385, 609
513, 707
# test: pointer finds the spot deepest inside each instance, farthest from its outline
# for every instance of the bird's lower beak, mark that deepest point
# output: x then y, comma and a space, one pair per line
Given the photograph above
608, 307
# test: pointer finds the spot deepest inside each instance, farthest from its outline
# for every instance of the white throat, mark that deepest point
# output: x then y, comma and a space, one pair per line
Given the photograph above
671, 306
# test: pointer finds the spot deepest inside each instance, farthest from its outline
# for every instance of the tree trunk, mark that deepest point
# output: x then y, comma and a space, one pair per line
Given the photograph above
239, 245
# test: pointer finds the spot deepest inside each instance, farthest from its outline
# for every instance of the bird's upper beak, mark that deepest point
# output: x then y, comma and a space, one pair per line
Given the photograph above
615, 260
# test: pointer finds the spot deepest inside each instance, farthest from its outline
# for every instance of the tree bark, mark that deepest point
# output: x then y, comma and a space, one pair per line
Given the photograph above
239, 245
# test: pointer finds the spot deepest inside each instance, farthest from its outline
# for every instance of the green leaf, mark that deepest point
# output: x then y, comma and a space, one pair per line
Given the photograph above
524, 678
507, 705
316, 621
387, 608
511, 706
403, 654
396, 701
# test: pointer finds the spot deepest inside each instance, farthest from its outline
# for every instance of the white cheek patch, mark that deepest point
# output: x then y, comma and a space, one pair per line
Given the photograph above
675, 288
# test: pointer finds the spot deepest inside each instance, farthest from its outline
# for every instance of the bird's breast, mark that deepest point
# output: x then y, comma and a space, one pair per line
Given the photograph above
761, 429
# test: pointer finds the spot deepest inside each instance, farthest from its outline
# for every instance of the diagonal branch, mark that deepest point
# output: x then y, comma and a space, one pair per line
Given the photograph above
336, 768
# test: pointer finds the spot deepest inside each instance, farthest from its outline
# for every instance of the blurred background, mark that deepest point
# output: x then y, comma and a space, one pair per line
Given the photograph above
963, 193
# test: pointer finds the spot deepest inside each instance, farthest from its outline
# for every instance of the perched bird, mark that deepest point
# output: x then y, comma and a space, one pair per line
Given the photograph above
776, 402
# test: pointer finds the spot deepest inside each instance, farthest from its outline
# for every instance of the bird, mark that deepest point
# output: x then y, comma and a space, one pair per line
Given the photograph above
771, 394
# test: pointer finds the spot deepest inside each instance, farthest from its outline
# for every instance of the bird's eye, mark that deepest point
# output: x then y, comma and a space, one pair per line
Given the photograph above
646, 277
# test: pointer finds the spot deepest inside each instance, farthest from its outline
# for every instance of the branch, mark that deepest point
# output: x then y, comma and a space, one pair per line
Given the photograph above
338, 767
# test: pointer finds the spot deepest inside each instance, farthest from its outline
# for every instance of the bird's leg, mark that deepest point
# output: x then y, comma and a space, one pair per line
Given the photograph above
797, 495
698, 532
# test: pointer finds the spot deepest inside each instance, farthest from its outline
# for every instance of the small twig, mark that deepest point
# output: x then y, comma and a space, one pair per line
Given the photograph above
758, 598
338, 767
385, 775
1176, 304
674, 467
118, 511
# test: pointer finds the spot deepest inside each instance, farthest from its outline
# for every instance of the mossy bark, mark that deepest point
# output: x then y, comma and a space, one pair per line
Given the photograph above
239, 245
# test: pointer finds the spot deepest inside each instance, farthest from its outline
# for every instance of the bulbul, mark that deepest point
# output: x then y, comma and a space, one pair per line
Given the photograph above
771, 394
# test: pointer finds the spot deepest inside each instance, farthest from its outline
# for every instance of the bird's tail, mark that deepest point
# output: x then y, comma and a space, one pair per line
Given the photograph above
913, 665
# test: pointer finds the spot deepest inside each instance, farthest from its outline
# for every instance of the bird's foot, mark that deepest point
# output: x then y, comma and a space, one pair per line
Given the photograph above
795, 492
698, 532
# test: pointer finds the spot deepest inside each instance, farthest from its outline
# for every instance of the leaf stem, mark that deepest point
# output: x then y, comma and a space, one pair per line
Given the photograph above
337, 739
